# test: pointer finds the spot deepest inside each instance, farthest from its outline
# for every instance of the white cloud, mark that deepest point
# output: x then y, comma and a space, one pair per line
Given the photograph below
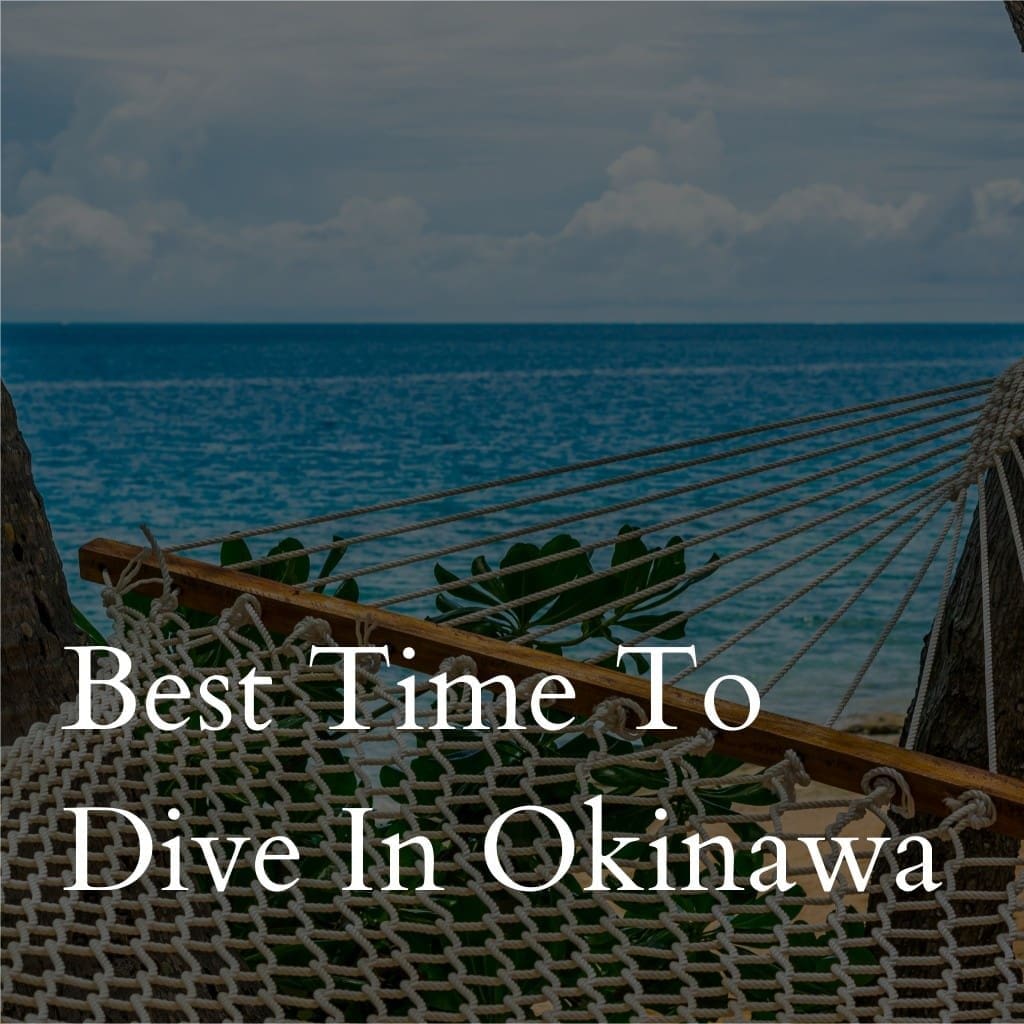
692, 147
641, 163
999, 208
500, 161
645, 249
62, 226
818, 206
685, 212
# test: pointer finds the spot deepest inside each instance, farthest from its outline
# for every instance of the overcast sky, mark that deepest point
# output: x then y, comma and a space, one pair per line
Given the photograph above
507, 162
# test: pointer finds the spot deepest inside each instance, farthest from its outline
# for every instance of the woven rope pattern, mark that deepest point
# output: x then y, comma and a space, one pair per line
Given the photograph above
999, 422
476, 951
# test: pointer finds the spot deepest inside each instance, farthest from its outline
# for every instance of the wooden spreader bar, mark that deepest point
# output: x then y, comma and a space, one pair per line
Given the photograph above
830, 756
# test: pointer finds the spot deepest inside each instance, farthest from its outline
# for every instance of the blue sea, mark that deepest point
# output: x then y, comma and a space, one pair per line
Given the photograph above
201, 429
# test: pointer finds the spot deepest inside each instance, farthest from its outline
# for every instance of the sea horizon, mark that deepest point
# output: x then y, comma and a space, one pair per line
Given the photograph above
200, 429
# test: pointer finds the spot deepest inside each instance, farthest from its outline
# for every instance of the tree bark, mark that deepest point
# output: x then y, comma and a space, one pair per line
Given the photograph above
35, 615
1015, 9
953, 716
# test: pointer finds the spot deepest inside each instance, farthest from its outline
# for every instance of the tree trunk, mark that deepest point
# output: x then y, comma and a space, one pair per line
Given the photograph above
953, 719
35, 615
1015, 9
953, 716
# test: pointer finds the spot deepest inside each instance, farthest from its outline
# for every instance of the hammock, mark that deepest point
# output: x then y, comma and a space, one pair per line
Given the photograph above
832, 506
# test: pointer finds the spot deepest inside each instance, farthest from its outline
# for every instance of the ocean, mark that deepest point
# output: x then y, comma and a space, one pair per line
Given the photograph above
200, 429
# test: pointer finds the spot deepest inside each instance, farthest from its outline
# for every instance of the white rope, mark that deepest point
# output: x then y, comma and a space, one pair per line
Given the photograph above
589, 487
666, 524
916, 499
858, 592
933, 638
660, 587
893, 619
1015, 448
928, 501
986, 627
1011, 511
960, 392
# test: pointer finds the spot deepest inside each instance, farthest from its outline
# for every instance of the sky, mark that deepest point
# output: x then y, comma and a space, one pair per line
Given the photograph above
471, 162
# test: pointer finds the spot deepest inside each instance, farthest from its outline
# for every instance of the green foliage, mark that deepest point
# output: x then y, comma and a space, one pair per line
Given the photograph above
293, 571
81, 620
581, 588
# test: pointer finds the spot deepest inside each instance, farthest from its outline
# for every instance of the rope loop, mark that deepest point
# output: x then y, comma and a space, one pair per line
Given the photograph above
167, 603
457, 665
971, 809
789, 773
316, 631
368, 663
618, 715
889, 783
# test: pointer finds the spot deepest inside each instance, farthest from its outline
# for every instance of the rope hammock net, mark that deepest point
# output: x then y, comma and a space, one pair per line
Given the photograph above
832, 537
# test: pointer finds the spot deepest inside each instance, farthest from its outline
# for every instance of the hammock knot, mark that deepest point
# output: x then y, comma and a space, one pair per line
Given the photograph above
525, 687
701, 743
367, 663
164, 605
888, 783
243, 612
971, 809
999, 423
458, 665
315, 630
158, 554
618, 715
789, 773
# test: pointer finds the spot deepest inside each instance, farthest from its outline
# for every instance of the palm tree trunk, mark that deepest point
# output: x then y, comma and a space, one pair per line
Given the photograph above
953, 719
35, 615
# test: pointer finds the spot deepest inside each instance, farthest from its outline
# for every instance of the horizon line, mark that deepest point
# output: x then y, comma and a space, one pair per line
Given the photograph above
508, 323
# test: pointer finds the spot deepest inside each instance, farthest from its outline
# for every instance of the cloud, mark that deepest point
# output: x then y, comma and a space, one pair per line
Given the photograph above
697, 218
641, 163
692, 147
828, 206
685, 212
680, 149
510, 162
651, 245
63, 226
999, 208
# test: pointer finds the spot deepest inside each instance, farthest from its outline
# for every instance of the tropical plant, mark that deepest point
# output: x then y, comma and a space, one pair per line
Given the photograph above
569, 588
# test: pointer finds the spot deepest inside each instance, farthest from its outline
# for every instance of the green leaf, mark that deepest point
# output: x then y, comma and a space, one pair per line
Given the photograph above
652, 624
234, 551
83, 623
334, 556
292, 570
471, 593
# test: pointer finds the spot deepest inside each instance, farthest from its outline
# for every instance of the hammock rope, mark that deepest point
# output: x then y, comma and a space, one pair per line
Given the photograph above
940, 610
638, 475
842, 502
666, 524
931, 508
703, 538
959, 392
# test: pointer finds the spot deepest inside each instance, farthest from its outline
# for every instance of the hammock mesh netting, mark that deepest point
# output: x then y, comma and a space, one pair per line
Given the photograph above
477, 949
